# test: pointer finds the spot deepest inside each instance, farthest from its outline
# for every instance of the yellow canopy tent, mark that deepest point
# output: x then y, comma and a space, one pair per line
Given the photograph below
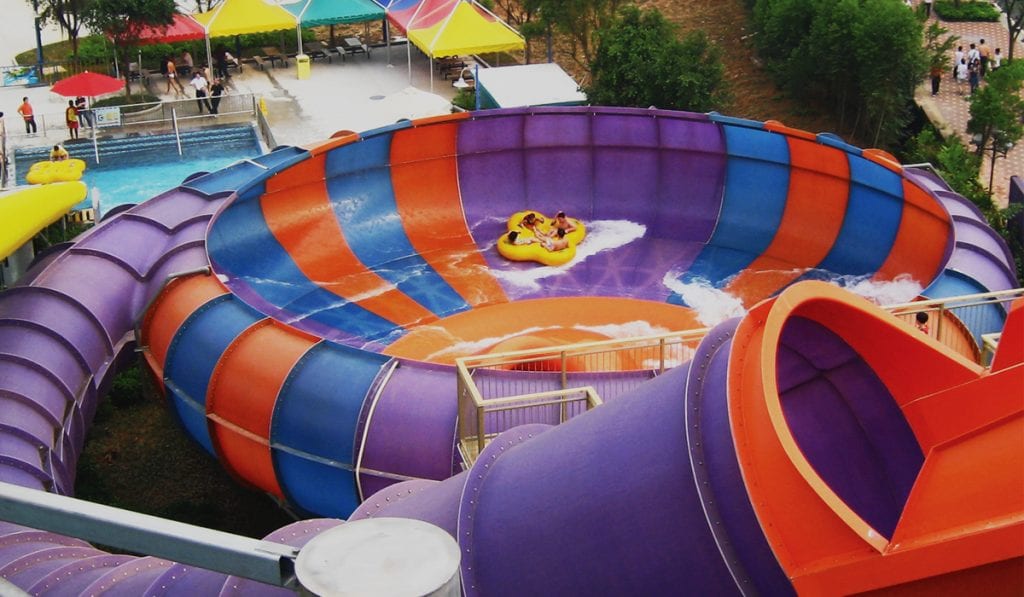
237, 17
451, 28
466, 31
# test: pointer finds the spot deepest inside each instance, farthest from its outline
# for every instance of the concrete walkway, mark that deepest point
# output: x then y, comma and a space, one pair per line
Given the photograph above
356, 94
951, 111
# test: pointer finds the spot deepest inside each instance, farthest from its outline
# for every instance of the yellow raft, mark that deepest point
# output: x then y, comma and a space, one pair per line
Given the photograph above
27, 211
62, 171
536, 251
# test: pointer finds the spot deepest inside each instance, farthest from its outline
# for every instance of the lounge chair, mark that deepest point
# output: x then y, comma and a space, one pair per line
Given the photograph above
315, 50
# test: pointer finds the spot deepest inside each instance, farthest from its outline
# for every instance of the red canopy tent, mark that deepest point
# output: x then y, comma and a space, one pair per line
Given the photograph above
184, 28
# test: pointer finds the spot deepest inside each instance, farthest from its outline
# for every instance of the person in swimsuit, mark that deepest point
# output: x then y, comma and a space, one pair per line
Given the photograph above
563, 223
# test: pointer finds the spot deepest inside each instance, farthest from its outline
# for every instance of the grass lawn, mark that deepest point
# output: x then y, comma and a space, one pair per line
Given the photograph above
137, 457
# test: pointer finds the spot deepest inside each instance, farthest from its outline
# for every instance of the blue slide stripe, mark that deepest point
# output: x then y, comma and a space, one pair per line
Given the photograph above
241, 244
194, 352
364, 203
872, 219
756, 189
314, 426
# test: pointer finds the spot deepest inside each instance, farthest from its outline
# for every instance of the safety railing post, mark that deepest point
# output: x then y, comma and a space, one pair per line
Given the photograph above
177, 134
95, 143
479, 429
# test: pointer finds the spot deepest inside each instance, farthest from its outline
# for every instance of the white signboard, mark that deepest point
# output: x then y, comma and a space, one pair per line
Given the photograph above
109, 116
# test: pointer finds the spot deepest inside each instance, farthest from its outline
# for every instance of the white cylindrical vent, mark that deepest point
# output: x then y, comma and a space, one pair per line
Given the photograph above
381, 556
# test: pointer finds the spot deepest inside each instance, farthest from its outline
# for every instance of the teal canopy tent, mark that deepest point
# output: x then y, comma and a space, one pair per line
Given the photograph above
313, 13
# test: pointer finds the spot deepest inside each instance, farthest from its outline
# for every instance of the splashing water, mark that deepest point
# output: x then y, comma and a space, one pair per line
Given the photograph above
901, 289
602, 235
711, 304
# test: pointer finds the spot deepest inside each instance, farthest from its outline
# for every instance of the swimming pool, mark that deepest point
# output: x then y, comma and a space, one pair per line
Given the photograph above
133, 169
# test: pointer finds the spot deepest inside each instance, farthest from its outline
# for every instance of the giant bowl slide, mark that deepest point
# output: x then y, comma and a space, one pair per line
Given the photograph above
341, 268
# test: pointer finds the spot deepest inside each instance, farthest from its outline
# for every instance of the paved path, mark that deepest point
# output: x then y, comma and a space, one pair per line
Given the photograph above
954, 109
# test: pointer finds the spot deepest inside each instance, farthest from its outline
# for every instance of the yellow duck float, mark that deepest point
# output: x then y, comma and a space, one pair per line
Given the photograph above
531, 247
62, 171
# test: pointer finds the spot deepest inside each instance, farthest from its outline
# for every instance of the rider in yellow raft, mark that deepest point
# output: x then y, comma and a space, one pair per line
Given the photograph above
60, 168
533, 238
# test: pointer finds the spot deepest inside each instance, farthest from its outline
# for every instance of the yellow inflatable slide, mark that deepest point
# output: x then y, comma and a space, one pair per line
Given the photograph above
28, 210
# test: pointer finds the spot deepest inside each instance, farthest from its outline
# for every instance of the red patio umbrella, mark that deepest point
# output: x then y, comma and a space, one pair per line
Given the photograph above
87, 84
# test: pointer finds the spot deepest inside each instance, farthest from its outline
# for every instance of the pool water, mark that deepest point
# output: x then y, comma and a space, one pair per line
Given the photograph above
113, 183
136, 167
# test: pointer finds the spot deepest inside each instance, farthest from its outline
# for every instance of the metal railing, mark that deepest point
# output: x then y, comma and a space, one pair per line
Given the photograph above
498, 391
487, 418
152, 116
967, 324
962, 322
262, 561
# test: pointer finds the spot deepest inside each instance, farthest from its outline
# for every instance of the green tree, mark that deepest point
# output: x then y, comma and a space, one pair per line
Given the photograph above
820, 65
782, 26
640, 61
998, 106
124, 20
864, 57
938, 45
579, 20
68, 15
891, 61
996, 112
1014, 10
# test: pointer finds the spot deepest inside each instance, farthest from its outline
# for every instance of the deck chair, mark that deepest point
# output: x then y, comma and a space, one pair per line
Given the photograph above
315, 50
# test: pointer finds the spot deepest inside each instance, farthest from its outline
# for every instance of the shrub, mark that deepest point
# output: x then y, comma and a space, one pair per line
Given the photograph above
967, 11
465, 99
142, 99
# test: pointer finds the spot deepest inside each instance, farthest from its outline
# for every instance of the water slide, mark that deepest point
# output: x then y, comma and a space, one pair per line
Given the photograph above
314, 358
24, 212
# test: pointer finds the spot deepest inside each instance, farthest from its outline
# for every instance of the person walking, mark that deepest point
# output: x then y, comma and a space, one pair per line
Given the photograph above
216, 90
961, 76
172, 78
974, 75
936, 74
927, 8
71, 119
958, 56
985, 53
997, 59
200, 85
25, 109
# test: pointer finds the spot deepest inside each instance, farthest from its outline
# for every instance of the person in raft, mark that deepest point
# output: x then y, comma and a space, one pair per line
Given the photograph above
562, 223
515, 239
549, 243
557, 241
58, 154
530, 222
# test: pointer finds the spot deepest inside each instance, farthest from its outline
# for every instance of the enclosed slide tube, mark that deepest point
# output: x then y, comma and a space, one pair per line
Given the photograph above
816, 446
385, 418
